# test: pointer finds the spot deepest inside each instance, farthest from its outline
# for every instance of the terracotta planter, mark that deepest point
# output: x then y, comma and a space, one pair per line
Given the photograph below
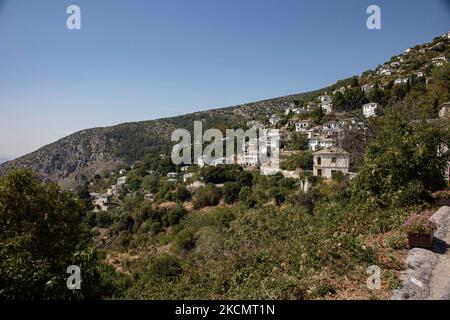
420, 240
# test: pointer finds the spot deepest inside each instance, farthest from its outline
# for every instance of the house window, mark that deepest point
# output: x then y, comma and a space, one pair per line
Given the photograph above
333, 160
319, 161
319, 172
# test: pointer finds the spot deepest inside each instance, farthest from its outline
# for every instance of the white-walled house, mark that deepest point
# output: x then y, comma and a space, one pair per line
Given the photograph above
327, 108
296, 110
326, 103
324, 99
204, 160
319, 143
255, 124
274, 120
385, 71
354, 124
439, 61
248, 160
331, 125
303, 125
367, 87
313, 132
329, 160
401, 81
311, 106
249, 155
100, 201
201, 161
188, 176
173, 175
370, 109
121, 181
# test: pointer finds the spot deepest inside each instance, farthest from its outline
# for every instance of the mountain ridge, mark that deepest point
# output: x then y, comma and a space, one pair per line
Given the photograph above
71, 160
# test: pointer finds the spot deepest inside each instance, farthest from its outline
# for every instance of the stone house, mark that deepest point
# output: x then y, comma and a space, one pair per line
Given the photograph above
370, 109
329, 160
303, 125
319, 142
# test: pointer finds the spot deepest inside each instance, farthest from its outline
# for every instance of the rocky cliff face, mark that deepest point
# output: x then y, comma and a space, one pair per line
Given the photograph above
69, 160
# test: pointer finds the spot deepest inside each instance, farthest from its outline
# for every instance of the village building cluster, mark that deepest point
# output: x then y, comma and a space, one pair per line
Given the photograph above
324, 138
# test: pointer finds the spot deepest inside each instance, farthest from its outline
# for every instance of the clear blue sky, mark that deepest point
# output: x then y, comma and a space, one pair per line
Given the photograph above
138, 60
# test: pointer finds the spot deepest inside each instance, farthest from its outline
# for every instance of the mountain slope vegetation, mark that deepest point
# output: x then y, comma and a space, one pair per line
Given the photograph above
71, 160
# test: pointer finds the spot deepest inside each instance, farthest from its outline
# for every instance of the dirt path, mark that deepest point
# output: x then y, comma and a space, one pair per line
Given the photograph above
440, 280
428, 272
439, 287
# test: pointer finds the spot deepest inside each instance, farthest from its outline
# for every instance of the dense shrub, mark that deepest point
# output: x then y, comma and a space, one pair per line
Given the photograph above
209, 195
41, 236
227, 173
404, 163
173, 216
103, 219
223, 217
247, 198
337, 176
164, 267
182, 193
231, 192
184, 240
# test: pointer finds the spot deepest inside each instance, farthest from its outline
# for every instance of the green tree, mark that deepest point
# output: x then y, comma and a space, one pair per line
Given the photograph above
231, 192
182, 193
208, 195
354, 98
338, 100
299, 141
40, 236
404, 163
377, 95
165, 166
439, 88
85, 196
134, 180
354, 82
317, 115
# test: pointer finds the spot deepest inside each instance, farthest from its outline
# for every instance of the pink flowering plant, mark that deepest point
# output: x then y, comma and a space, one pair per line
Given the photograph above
419, 224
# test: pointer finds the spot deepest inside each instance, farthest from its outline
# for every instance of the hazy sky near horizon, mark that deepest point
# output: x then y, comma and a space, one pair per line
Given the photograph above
139, 60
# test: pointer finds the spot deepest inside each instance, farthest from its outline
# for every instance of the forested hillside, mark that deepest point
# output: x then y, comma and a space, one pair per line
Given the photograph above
142, 227
73, 159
